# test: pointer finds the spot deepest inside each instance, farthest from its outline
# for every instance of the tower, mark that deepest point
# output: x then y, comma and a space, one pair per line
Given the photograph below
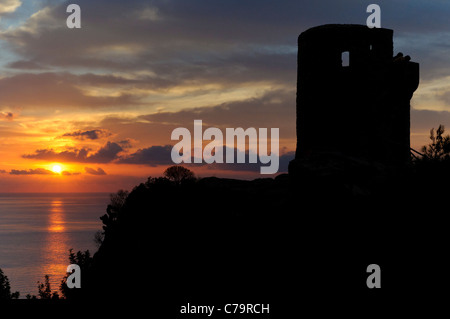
359, 109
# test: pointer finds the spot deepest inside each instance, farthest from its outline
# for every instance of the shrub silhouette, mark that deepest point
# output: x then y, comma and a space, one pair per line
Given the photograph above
113, 210
5, 288
439, 148
84, 261
45, 290
155, 246
178, 174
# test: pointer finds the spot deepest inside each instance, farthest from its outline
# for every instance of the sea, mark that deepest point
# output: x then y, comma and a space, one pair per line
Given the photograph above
37, 231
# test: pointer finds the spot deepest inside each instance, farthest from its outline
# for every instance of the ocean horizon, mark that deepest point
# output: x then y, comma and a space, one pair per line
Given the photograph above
38, 229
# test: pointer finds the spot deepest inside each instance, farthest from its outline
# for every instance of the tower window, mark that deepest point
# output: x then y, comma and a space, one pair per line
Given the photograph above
345, 58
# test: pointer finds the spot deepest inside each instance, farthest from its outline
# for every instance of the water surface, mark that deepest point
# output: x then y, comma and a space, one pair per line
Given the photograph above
37, 231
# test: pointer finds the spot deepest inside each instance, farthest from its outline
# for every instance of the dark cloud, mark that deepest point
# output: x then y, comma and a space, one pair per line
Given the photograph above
32, 171
151, 156
7, 116
183, 25
98, 171
67, 173
91, 134
126, 143
76, 155
106, 154
252, 167
38, 171
2, 171
161, 155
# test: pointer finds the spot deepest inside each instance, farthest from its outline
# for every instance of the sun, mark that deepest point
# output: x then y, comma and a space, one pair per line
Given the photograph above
56, 169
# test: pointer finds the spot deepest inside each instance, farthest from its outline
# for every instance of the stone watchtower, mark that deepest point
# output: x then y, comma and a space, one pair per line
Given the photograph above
357, 107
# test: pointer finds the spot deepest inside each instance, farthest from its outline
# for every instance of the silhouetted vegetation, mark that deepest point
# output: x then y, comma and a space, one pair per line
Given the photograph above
99, 237
5, 288
160, 238
45, 290
439, 148
84, 261
113, 210
179, 174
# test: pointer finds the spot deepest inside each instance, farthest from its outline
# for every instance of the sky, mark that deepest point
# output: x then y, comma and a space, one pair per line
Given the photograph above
92, 109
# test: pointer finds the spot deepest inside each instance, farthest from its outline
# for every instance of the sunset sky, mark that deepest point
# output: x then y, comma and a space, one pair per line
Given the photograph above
92, 109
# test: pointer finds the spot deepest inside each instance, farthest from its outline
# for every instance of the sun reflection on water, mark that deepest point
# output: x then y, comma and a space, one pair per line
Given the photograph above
56, 217
56, 248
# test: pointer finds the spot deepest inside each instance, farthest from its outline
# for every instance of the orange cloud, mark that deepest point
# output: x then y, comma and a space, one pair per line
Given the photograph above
32, 171
7, 116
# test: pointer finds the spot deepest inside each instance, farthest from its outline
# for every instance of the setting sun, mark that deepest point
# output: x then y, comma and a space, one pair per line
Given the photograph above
56, 169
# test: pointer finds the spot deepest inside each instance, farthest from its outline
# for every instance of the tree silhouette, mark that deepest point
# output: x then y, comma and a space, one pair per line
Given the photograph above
117, 201
439, 148
82, 259
45, 291
5, 288
99, 237
178, 174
